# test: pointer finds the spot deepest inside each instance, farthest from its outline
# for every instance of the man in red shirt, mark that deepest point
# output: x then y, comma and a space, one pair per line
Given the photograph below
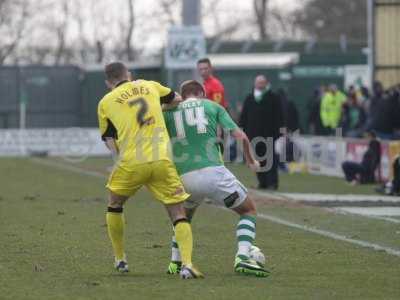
213, 87
214, 91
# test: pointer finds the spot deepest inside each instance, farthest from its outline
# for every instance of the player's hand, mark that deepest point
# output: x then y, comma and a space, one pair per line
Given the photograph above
254, 166
178, 97
168, 106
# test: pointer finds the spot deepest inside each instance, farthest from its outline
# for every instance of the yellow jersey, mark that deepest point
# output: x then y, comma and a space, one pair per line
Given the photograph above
131, 114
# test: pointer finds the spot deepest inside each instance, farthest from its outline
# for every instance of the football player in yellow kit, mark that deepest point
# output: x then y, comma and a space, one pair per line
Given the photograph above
132, 125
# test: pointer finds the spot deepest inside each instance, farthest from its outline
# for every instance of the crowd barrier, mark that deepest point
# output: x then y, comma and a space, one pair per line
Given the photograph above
325, 155
317, 155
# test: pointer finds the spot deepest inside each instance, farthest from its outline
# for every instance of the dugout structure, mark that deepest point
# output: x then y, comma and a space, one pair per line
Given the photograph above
385, 36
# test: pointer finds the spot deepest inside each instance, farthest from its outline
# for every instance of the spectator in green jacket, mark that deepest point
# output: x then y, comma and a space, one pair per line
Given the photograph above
331, 107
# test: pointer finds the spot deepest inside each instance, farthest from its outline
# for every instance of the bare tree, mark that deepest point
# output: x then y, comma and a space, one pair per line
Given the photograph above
260, 8
168, 7
61, 32
226, 31
131, 24
283, 24
84, 45
345, 18
39, 55
97, 36
224, 21
99, 52
13, 16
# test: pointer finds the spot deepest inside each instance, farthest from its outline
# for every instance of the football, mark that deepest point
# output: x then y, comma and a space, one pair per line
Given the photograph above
257, 255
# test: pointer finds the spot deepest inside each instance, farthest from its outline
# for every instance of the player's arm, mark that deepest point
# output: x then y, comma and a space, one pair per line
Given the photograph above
174, 103
217, 94
240, 136
227, 123
112, 146
243, 115
108, 132
168, 98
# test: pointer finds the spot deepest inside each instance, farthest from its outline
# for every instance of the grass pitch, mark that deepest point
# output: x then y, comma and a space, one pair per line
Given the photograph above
53, 243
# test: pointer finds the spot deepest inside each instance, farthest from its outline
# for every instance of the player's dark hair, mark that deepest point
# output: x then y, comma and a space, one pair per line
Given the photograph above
204, 60
192, 87
115, 71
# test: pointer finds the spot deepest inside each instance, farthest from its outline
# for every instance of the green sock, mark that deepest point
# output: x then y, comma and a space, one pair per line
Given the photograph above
245, 233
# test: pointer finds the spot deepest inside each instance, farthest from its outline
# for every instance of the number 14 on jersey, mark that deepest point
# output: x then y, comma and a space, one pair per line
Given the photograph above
190, 117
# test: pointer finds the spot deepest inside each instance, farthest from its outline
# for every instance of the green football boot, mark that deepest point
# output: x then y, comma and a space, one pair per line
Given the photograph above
250, 267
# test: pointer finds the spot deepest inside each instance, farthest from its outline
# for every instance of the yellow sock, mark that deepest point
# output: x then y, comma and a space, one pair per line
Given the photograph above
116, 226
184, 239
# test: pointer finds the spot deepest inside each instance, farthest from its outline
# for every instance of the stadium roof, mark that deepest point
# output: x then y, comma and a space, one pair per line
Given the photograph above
254, 60
303, 47
145, 63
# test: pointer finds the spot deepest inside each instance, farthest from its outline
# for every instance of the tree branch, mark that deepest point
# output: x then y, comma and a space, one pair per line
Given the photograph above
61, 31
260, 8
131, 25
20, 27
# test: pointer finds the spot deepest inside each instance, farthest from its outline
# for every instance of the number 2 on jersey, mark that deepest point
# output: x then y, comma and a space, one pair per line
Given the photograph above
143, 108
193, 117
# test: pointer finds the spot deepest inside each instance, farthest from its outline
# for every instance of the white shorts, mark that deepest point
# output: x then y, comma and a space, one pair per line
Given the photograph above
215, 183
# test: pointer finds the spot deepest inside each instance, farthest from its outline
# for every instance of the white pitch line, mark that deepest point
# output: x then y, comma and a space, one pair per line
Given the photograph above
382, 218
387, 219
331, 235
304, 197
310, 198
270, 218
68, 168
339, 198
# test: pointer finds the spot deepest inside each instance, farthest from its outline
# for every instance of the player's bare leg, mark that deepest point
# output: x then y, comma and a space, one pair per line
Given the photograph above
246, 233
116, 226
190, 213
248, 207
184, 240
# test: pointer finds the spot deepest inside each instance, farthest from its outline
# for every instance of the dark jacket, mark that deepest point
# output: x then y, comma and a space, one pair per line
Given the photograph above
314, 115
289, 111
346, 118
396, 177
264, 118
387, 116
293, 122
370, 161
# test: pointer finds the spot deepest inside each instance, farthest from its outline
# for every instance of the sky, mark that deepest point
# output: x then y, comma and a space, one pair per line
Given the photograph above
226, 9
105, 20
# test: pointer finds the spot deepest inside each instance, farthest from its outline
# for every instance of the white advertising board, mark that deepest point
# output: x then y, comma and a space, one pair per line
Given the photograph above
185, 46
323, 156
74, 142
357, 76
